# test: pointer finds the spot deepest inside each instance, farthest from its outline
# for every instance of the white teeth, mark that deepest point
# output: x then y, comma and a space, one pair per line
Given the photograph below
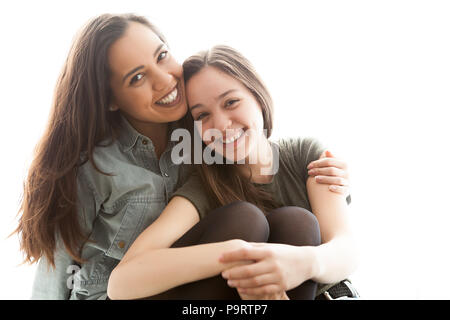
171, 97
232, 139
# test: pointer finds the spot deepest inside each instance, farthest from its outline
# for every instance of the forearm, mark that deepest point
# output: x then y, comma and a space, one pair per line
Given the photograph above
335, 260
158, 270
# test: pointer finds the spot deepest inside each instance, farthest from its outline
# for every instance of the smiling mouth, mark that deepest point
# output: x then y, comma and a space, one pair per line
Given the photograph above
170, 99
231, 139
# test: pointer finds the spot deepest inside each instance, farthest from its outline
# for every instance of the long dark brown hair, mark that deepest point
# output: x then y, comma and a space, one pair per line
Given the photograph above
225, 183
79, 121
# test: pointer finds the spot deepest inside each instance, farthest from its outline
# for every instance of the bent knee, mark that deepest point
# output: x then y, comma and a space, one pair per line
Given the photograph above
300, 223
249, 221
244, 209
291, 214
306, 216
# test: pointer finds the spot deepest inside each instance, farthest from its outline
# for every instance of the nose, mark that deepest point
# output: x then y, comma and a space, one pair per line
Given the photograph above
161, 80
221, 121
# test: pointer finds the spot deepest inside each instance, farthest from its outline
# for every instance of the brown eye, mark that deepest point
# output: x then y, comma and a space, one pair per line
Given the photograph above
201, 116
231, 102
163, 55
136, 78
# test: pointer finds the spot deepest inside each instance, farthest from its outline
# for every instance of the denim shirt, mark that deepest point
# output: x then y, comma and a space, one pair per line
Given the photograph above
113, 210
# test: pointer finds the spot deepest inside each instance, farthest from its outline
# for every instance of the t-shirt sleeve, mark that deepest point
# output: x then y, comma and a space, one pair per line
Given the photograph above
194, 191
304, 151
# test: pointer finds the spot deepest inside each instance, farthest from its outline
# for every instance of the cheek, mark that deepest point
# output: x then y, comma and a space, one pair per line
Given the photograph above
140, 97
257, 121
135, 96
207, 133
175, 68
200, 130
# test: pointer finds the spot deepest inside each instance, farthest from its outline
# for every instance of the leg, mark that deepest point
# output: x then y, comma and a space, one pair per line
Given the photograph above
299, 227
237, 220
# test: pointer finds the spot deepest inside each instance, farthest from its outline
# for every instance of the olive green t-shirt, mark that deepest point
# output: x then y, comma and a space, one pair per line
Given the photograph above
288, 186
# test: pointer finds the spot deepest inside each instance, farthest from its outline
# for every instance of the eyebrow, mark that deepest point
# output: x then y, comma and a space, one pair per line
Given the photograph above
217, 98
141, 66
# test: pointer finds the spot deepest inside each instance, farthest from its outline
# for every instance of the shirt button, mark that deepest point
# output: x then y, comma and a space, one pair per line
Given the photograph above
144, 142
165, 174
121, 244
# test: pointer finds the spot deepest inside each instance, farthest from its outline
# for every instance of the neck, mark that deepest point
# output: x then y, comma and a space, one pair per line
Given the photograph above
156, 132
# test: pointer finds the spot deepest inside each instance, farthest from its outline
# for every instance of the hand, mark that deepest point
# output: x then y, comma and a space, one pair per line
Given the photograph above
277, 268
330, 170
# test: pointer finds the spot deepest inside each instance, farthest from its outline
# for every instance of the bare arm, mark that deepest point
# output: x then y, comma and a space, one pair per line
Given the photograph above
337, 256
150, 267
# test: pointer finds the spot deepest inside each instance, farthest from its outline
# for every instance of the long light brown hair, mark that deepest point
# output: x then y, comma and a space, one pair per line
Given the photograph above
225, 183
79, 121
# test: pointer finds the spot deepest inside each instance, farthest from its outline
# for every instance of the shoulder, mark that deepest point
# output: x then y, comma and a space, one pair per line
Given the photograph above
97, 172
298, 141
105, 157
300, 146
295, 153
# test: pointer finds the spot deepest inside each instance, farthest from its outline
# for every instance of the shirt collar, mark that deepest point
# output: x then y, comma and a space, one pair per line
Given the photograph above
129, 136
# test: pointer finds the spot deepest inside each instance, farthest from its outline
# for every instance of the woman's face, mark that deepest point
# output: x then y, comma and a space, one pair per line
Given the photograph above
146, 81
221, 102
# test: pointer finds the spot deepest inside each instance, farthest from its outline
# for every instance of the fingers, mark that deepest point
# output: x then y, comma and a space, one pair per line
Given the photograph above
338, 181
344, 190
328, 162
244, 254
258, 281
246, 271
328, 171
264, 290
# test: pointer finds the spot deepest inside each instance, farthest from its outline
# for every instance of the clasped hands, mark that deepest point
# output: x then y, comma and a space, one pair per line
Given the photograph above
267, 270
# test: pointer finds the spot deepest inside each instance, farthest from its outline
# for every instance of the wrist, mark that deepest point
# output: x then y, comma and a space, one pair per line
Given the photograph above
232, 245
315, 270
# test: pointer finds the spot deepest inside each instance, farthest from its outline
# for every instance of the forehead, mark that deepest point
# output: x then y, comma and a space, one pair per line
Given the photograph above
211, 81
134, 48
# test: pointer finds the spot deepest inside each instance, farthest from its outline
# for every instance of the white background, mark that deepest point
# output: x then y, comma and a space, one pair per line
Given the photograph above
370, 79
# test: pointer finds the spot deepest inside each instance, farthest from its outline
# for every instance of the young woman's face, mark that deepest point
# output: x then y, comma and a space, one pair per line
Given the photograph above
221, 102
146, 81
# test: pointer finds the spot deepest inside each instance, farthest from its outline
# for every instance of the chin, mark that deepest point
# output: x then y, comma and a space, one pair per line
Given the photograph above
238, 160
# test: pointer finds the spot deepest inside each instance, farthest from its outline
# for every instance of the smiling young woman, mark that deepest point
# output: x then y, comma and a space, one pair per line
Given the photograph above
146, 82
103, 165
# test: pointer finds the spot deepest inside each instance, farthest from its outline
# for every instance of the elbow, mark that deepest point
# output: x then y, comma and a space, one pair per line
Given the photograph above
125, 283
113, 290
120, 285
